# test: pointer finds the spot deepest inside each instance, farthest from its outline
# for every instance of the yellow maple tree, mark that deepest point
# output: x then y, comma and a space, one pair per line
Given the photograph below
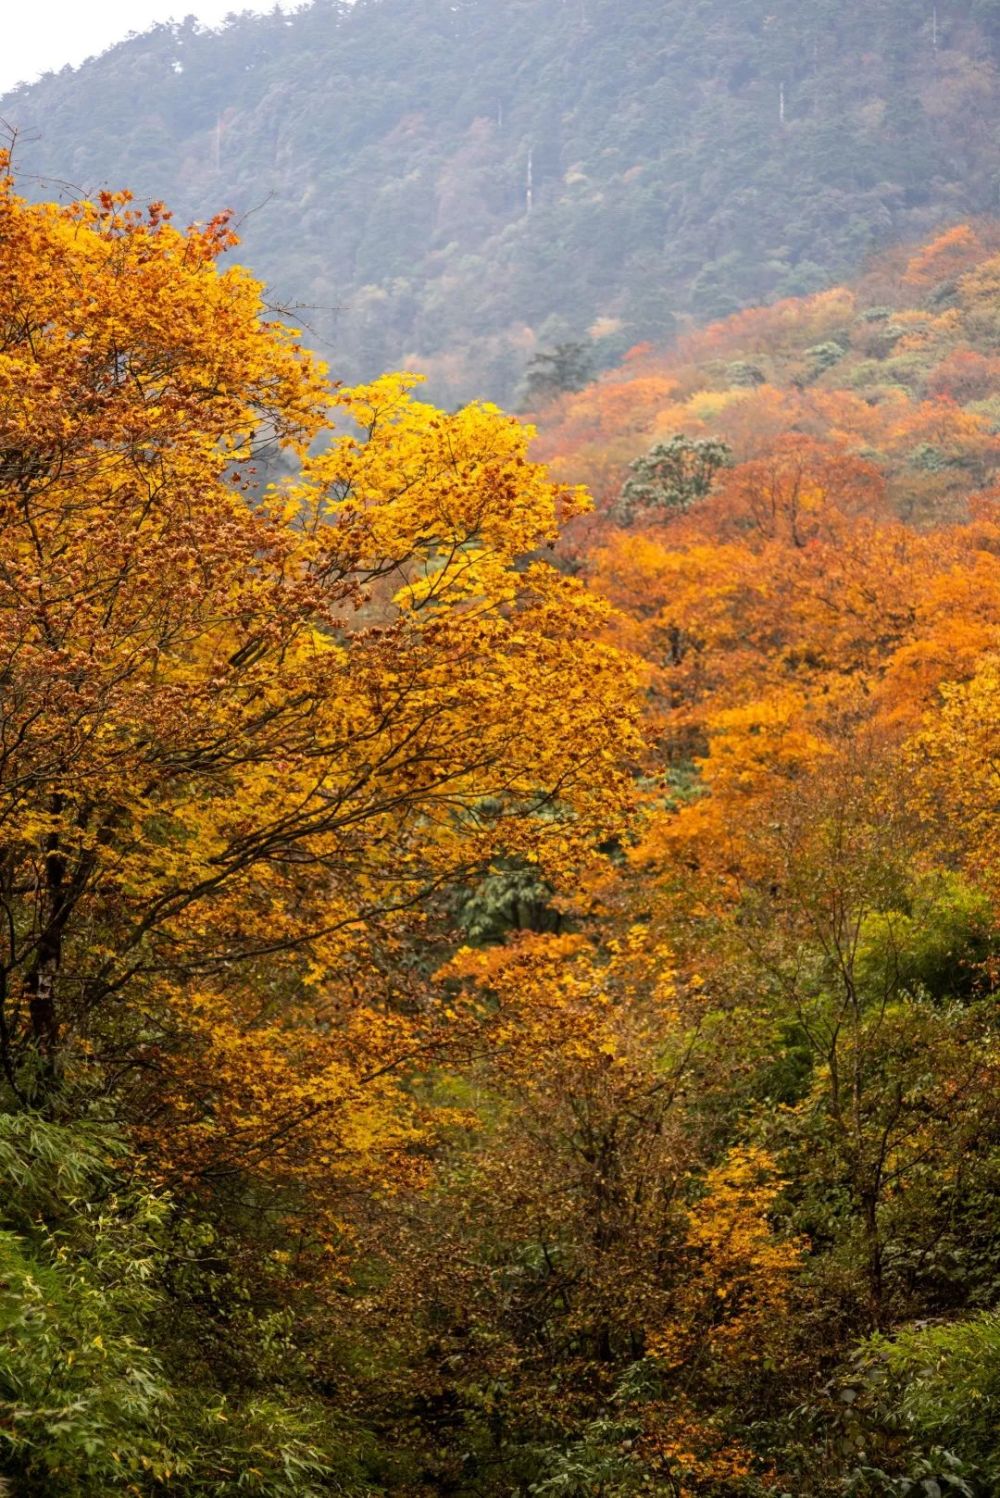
251, 729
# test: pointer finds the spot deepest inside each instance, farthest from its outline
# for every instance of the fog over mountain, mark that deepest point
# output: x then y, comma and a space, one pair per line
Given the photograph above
452, 183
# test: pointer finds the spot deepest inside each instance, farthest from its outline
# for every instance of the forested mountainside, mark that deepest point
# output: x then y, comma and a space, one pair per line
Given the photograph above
453, 184
495, 999
900, 368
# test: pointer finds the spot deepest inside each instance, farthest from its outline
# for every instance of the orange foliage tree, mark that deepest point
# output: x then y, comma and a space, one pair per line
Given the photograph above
248, 736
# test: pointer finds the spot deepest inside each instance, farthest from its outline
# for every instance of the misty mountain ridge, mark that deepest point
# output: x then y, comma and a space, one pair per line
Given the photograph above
453, 186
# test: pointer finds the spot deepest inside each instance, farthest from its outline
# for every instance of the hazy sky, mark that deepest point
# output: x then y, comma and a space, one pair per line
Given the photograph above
36, 35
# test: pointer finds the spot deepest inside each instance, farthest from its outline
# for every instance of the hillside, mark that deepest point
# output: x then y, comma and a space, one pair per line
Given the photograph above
497, 997
898, 368
455, 185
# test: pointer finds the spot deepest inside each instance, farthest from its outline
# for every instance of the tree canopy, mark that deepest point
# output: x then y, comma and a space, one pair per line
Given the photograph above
498, 990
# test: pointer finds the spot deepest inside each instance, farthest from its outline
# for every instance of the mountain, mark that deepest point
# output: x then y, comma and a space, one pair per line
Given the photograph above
456, 184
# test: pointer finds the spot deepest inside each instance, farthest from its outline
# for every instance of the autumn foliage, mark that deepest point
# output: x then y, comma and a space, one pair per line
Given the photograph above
510, 987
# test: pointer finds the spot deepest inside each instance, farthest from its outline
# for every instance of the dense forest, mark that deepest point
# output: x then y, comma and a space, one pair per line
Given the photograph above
500, 916
498, 990
456, 184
